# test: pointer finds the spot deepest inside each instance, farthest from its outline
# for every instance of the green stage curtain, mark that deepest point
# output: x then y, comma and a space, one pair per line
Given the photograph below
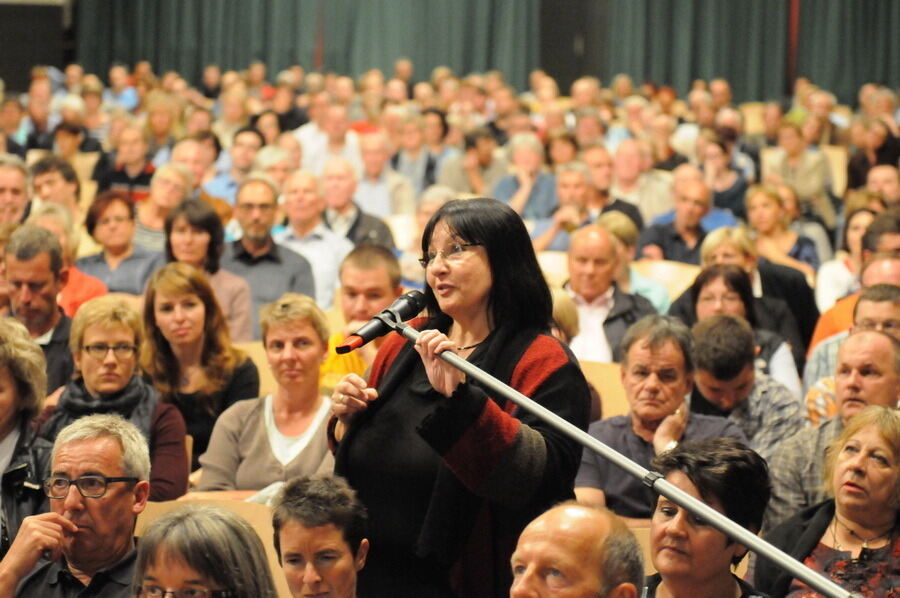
675, 41
356, 35
845, 44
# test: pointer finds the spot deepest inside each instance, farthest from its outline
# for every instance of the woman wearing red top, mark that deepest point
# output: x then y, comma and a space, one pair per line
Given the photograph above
449, 474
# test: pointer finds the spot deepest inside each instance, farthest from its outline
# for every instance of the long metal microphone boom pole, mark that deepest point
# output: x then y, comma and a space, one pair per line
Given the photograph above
649, 478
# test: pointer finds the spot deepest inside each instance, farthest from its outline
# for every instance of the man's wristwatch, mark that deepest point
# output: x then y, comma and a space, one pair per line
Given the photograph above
669, 446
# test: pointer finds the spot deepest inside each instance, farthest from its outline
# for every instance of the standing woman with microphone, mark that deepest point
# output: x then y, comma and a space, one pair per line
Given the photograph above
449, 474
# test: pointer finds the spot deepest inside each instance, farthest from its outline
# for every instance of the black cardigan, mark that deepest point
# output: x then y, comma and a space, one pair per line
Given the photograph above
798, 536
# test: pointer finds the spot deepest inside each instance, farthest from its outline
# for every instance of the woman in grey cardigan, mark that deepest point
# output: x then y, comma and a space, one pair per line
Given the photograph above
258, 444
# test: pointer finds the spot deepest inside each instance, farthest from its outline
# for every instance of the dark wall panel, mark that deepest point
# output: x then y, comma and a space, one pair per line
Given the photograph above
31, 34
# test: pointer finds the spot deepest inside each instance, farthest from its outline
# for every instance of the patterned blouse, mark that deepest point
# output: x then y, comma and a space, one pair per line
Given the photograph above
874, 574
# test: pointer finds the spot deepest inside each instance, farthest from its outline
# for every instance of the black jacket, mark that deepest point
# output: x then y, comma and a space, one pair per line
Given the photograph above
626, 310
21, 483
789, 285
798, 537
58, 355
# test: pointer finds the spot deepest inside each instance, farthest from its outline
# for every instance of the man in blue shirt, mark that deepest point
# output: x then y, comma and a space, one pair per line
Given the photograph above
120, 92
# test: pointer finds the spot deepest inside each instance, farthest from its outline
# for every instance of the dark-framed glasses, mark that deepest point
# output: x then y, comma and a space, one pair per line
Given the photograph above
100, 350
453, 254
149, 590
90, 486
249, 207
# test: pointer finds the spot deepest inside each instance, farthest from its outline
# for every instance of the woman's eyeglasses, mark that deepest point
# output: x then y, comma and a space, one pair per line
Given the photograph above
453, 254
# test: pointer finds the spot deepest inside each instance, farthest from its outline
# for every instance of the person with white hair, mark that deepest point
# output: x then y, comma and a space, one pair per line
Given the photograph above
84, 546
14, 188
275, 162
338, 141
342, 214
530, 191
382, 191
307, 234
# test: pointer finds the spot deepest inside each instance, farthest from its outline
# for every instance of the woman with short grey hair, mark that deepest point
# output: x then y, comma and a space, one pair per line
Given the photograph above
202, 548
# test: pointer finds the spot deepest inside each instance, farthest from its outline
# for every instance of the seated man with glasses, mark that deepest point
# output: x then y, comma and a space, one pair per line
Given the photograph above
84, 546
105, 340
271, 269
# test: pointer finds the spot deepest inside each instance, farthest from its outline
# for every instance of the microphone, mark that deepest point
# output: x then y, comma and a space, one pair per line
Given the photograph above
403, 308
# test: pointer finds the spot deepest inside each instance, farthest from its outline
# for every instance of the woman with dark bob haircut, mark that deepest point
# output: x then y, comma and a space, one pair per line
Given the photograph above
691, 557
726, 289
194, 236
472, 469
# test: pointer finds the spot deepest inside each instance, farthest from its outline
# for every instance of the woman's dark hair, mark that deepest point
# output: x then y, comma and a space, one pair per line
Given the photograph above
103, 201
519, 296
442, 116
725, 470
201, 215
560, 134
208, 137
735, 278
847, 221
256, 117
713, 136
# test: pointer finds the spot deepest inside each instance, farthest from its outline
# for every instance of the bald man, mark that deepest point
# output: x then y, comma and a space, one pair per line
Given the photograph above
715, 217
680, 240
604, 311
576, 551
307, 234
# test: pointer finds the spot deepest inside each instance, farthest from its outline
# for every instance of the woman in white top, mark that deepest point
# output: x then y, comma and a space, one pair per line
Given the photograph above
840, 276
258, 444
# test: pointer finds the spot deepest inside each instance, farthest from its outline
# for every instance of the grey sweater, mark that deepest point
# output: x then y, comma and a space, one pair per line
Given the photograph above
240, 457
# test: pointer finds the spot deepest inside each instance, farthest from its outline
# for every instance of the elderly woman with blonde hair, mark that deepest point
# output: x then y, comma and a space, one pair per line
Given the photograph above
105, 340
853, 538
24, 458
258, 444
